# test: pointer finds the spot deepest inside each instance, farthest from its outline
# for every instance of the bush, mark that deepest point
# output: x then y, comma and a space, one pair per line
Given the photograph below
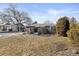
62, 26
73, 34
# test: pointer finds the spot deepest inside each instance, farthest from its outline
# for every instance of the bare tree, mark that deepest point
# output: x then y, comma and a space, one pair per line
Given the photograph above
13, 15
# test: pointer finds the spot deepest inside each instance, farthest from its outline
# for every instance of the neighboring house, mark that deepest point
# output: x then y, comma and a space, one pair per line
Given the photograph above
41, 29
11, 27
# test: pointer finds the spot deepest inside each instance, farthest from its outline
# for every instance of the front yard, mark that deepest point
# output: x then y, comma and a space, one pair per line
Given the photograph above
33, 45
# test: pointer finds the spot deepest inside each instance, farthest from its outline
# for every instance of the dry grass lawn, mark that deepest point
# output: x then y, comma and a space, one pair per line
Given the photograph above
33, 45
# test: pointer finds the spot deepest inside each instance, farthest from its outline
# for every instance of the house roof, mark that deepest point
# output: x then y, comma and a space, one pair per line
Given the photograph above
39, 25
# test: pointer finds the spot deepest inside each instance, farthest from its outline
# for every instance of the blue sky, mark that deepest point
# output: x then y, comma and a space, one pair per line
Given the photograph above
48, 11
